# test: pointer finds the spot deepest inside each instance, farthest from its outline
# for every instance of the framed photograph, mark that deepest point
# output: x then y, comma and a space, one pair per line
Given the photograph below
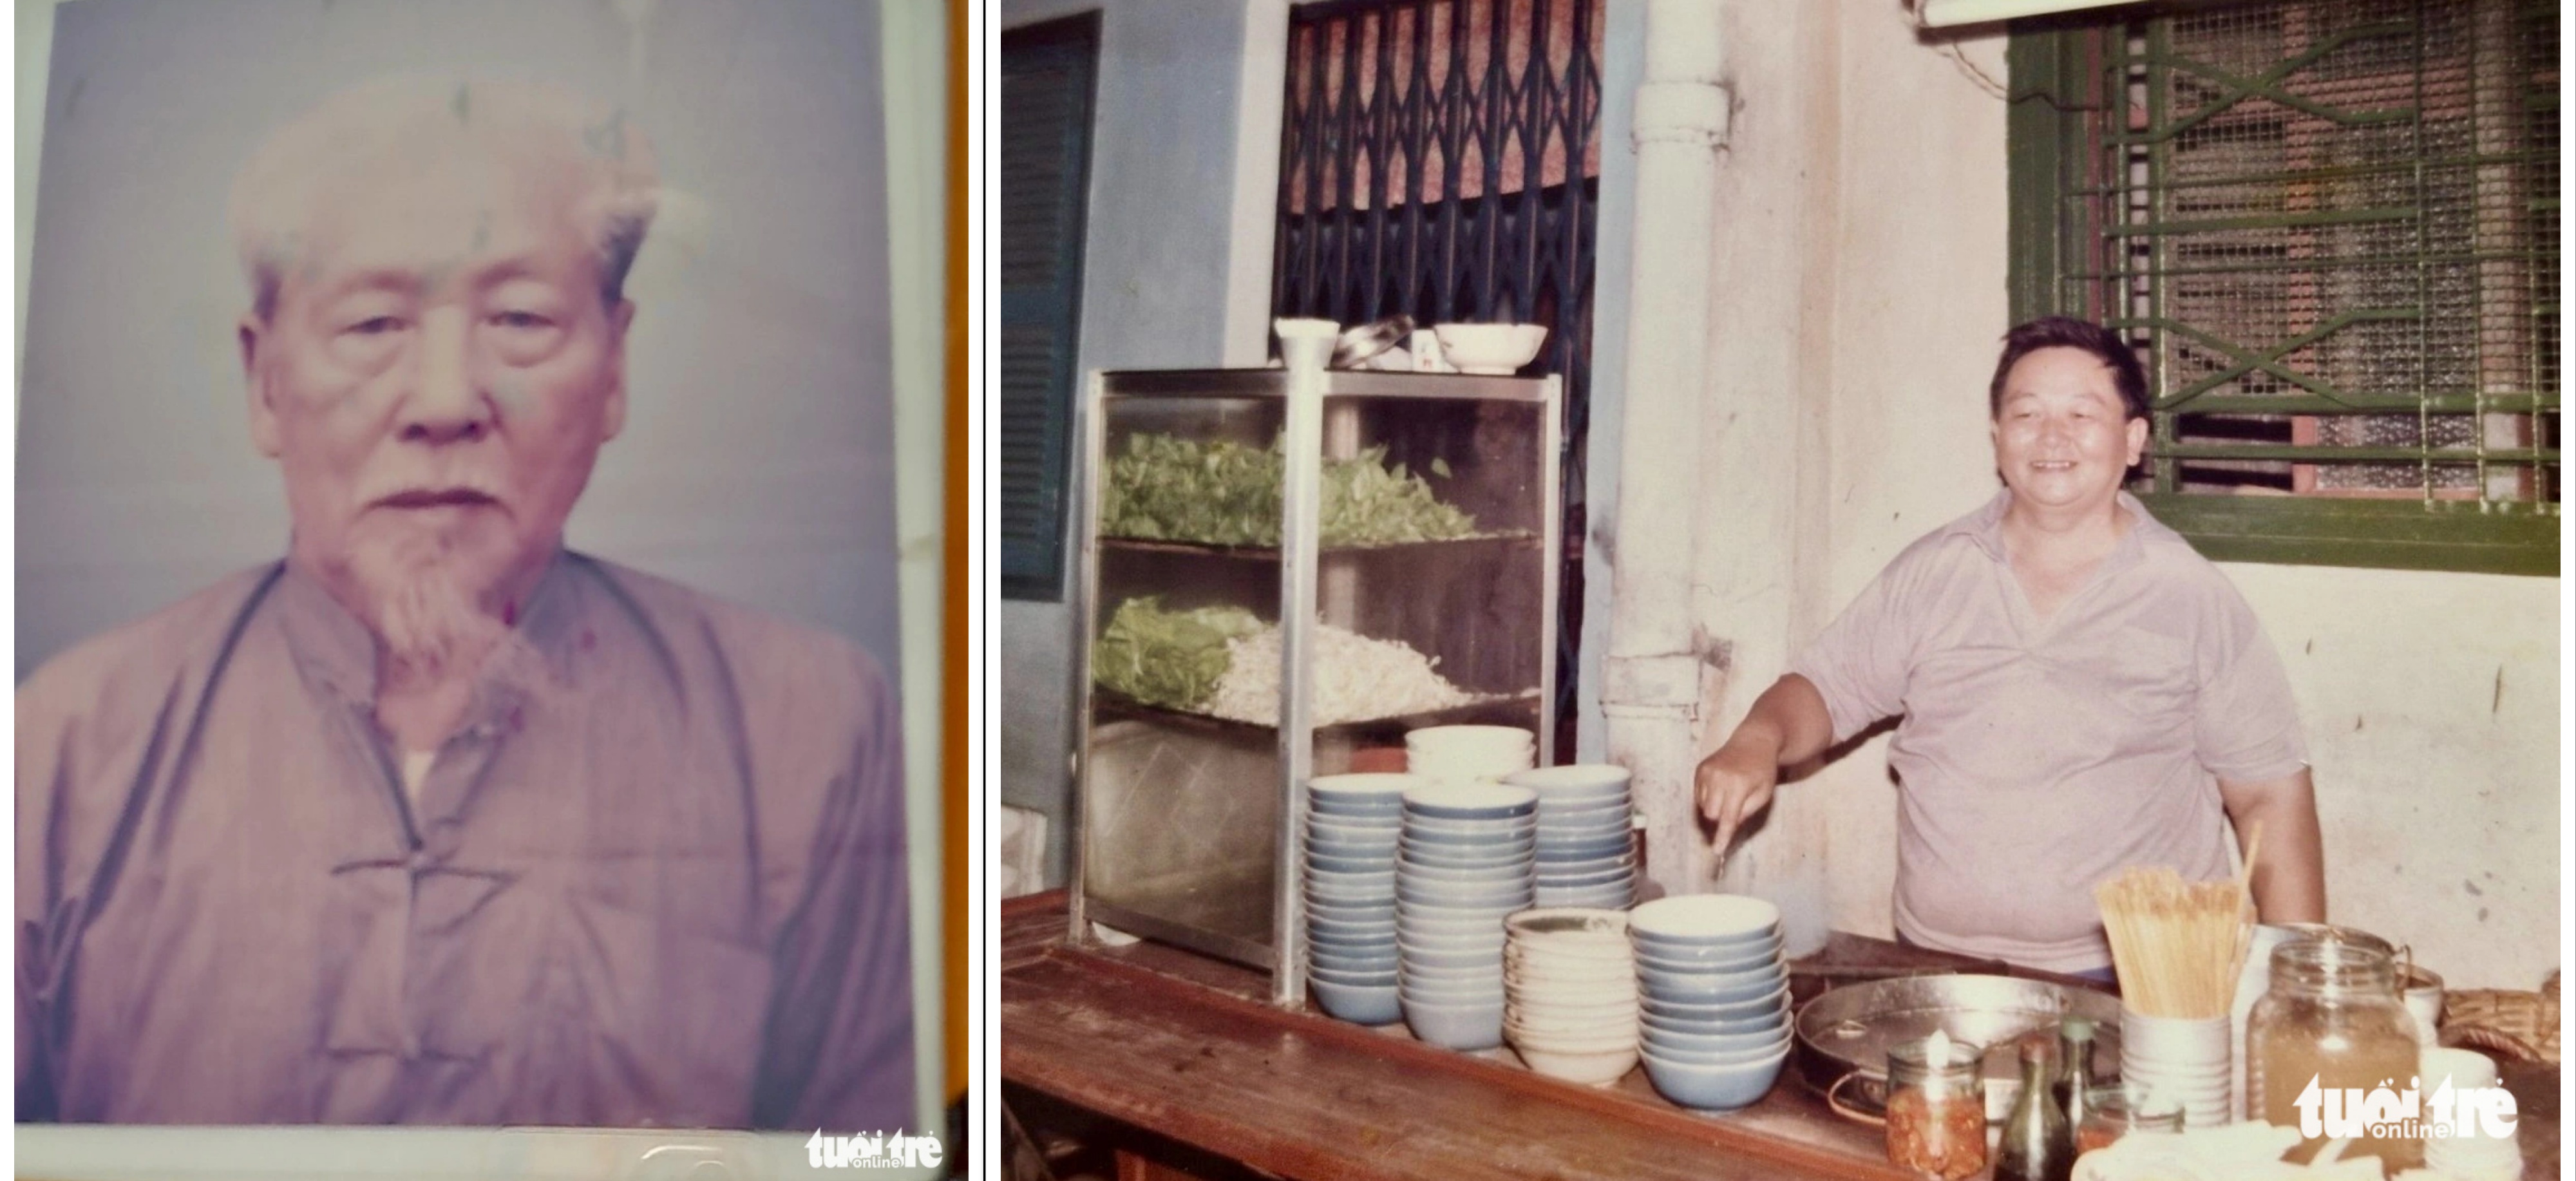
459, 633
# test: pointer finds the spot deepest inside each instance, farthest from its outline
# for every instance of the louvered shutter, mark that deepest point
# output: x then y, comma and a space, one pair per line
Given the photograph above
1046, 151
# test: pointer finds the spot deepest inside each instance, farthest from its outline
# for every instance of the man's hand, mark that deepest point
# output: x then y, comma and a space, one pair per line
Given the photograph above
1736, 782
1787, 724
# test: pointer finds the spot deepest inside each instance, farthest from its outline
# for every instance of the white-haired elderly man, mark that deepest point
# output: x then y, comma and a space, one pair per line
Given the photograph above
435, 821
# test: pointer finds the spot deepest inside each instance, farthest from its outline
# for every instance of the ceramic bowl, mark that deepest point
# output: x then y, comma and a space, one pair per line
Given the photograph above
1572, 927
1456, 1027
1354, 968
1447, 871
1453, 801
1444, 853
1583, 877
1594, 1068
1340, 925
1385, 844
1714, 1047
1449, 944
1352, 918
1572, 997
1375, 787
1338, 863
1363, 1004
1429, 831
1599, 1035
1458, 958
1707, 988
1703, 919
1728, 960
1573, 781
1493, 349
1320, 810
1612, 844
1454, 996
1357, 837
1471, 737
1570, 971
1691, 1043
1761, 1006
1504, 896
1561, 812
1614, 896
1714, 1087
1380, 878
1553, 1013
1356, 979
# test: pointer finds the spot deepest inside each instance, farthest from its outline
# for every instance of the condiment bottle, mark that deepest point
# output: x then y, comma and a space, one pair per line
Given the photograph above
1936, 1107
2038, 1144
2331, 1015
2074, 1084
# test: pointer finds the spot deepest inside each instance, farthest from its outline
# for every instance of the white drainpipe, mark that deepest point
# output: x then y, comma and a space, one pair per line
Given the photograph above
1651, 674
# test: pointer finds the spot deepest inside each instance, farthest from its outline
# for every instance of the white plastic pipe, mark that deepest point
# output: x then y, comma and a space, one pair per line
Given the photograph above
1650, 682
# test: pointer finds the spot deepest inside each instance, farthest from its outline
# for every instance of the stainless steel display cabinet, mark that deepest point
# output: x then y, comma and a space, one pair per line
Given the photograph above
1188, 826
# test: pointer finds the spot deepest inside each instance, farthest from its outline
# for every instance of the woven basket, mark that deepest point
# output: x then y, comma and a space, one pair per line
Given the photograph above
2507, 1022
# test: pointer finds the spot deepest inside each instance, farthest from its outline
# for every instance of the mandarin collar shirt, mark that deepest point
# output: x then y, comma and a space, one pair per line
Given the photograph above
663, 885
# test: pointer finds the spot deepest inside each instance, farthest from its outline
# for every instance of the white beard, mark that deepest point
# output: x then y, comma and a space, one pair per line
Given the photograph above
433, 625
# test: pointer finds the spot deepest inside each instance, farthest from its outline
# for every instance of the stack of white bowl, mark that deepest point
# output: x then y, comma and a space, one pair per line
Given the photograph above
1713, 991
1464, 864
1469, 754
2477, 1157
1586, 856
1352, 826
1570, 993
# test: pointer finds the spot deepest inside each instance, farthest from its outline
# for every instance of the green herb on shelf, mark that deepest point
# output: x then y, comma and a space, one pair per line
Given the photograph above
1167, 488
1172, 659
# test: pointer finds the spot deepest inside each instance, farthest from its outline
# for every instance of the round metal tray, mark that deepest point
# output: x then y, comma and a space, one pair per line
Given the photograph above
1847, 1030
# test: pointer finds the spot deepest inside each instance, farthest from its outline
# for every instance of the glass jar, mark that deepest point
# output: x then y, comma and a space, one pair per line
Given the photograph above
1936, 1110
2113, 1113
2332, 1014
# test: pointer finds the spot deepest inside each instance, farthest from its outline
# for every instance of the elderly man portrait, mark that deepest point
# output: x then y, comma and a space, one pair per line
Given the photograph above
434, 820
2079, 689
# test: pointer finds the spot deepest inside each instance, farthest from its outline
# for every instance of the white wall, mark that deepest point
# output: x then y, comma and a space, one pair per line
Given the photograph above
2438, 791
1160, 267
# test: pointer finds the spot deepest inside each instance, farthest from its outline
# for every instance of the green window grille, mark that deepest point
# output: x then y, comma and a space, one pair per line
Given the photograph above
1047, 73
2331, 228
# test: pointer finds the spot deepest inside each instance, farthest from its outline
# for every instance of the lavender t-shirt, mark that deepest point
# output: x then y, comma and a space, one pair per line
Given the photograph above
662, 885
2037, 759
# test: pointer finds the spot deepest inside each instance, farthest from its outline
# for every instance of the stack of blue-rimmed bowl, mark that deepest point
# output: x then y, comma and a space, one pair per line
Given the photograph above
1713, 997
1465, 864
1586, 857
1353, 823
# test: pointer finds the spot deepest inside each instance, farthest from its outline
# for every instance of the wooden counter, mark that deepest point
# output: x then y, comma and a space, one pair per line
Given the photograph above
1189, 1049
1187, 1054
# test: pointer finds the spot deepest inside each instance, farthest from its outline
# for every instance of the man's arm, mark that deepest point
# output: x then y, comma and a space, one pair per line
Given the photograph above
1787, 724
2290, 870
838, 1050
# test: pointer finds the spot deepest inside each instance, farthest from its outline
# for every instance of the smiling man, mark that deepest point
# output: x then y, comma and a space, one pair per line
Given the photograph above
2080, 690
435, 821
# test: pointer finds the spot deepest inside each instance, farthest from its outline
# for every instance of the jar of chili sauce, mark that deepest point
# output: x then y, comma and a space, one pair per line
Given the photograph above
1936, 1107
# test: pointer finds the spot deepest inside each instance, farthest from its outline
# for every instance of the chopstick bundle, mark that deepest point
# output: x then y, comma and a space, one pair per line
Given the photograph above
2176, 945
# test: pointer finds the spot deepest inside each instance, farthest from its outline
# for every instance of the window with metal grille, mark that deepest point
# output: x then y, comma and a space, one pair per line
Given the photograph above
2331, 227
1440, 159
1047, 73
